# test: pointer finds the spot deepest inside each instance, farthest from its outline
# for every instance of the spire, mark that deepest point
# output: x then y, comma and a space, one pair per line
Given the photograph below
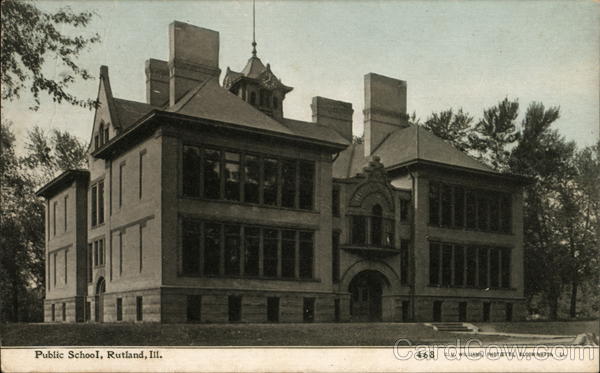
253, 28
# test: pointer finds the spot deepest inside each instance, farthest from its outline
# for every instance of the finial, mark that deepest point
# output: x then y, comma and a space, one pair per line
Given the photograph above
253, 28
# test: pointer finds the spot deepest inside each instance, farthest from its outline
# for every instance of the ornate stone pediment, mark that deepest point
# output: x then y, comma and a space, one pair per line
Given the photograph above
376, 183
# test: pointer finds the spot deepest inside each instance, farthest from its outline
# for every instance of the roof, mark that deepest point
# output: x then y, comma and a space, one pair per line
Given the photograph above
400, 147
255, 71
254, 68
60, 182
315, 131
130, 112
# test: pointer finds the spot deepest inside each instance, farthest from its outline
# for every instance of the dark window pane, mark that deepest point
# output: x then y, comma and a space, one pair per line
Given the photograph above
252, 177
231, 173
270, 181
446, 205
94, 206
307, 177
434, 203
359, 229
232, 249
483, 267
270, 252
389, 233
212, 173
251, 247
404, 261
335, 201
288, 183
459, 206
191, 248
471, 266
404, 207
459, 265
101, 202
308, 309
447, 265
505, 212
471, 213
288, 253
494, 268
335, 263
194, 307
505, 263
273, 309
434, 264
483, 209
376, 225
139, 308
235, 308
306, 255
212, 248
191, 171
494, 212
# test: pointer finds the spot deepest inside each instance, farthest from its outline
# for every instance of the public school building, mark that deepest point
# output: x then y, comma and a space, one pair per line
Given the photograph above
206, 204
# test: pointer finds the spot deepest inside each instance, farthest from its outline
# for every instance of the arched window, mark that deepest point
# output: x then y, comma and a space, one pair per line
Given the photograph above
376, 225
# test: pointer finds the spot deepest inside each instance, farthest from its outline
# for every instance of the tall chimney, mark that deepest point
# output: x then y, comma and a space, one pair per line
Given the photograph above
385, 109
193, 58
333, 113
157, 82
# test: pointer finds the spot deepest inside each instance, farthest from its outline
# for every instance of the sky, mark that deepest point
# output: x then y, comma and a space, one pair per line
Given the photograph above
453, 54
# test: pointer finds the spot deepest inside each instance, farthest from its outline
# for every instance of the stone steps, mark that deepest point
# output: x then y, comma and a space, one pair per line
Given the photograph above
453, 327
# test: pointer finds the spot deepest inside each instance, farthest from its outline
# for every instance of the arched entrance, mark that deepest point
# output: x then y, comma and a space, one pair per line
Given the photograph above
99, 300
366, 289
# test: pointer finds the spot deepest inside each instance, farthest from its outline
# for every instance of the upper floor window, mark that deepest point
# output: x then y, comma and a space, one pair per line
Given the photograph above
373, 229
235, 176
454, 206
97, 203
335, 200
98, 246
404, 208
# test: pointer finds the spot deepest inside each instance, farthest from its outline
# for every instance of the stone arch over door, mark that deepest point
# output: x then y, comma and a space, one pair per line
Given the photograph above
99, 300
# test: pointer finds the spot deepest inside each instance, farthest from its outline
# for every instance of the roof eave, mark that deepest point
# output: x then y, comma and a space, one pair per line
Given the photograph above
58, 183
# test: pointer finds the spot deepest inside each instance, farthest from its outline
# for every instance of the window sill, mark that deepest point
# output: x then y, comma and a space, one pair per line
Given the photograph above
237, 277
469, 230
97, 226
468, 287
250, 204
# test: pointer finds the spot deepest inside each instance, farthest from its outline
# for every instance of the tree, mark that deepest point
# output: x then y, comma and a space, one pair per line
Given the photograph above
454, 128
495, 132
30, 37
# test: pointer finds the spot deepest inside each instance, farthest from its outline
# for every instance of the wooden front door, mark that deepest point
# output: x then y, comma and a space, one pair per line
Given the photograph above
366, 293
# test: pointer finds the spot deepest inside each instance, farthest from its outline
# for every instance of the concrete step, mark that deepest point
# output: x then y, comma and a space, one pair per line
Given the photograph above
453, 327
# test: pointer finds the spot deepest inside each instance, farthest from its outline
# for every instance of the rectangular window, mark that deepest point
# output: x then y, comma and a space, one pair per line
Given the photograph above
64, 311
505, 267
120, 253
191, 171
270, 252
307, 181
494, 268
96, 141
235, 308
288, 253
232, 249
66, 269
119, 309
53, 307
483, 267
231, 172
494, 212
404, 244
434, 263
101, 202
459, 206
306, 255
139, 308
271, 181
141, 247
308, 308
121, 175
459, 265
471, 209
404, 208
288, 183
251, 250
505, 213
471, 266
65, 211
434, 203
88, 311
96, 254
335, 200
54, 268
446, 199
54, 206
190, 257
101, 251
447, 265
194, 308
141, 174
212, 248
359, 229
212, 173
335, 257
273, 309
251, 179
483, 209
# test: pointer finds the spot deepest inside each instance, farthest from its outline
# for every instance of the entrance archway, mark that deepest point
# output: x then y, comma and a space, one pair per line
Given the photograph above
99, 300
366, 289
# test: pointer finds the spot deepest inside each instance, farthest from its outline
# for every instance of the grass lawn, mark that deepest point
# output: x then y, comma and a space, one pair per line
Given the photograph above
376, 334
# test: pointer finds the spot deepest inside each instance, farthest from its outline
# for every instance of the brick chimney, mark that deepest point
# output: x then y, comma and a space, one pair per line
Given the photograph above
333, 113
193, 58
157, 82
385, 109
